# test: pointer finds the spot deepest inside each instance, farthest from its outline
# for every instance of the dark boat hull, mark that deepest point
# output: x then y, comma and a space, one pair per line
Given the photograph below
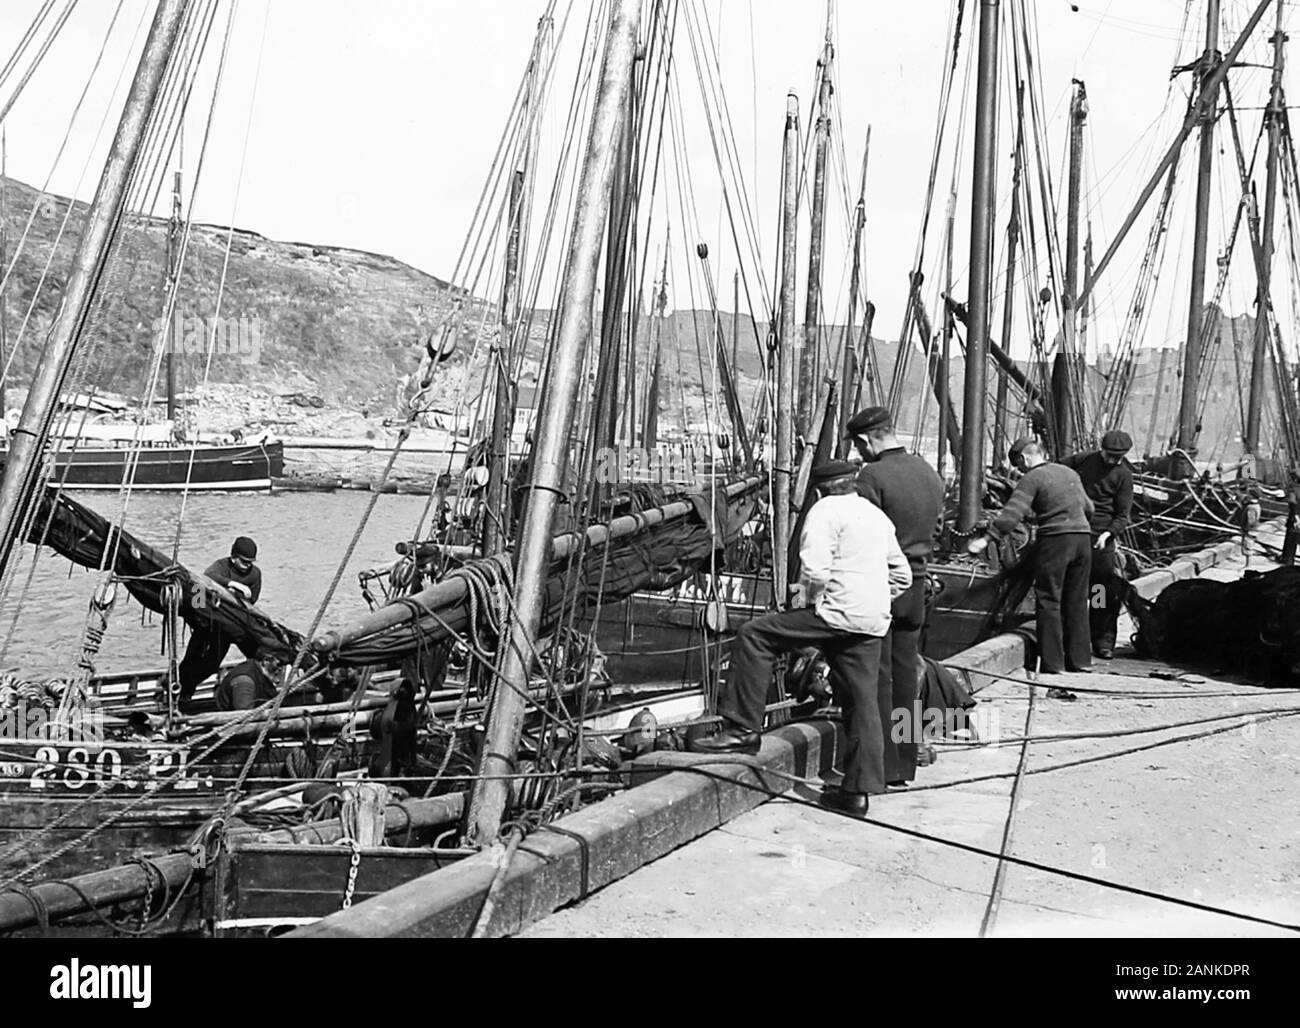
653, 637
239, 466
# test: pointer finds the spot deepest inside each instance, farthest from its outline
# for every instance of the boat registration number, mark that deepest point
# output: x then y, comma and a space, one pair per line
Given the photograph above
78, 767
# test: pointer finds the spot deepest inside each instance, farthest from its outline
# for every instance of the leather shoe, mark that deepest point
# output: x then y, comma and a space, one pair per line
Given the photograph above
854, 804
1105, 653
729, 740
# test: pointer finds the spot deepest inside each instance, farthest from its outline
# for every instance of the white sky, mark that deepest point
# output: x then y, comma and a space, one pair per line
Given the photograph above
374, 124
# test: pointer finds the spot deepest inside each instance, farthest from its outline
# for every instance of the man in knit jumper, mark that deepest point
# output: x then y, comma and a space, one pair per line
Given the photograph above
1054, 494
1108, 481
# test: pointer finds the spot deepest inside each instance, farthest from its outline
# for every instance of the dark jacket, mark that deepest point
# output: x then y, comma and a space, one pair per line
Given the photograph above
244, 686
1054, 494
1109, 488
910, 492
222, 572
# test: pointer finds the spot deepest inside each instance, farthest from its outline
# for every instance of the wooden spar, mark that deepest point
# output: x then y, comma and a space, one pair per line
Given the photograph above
1063, 400
554, 427
27, 447
971, 469
923, 325
735, 322
650, 426
1206, 112
809, 390
496, 526
783, 470
851, 376
451, 591
1259, 360
1086, 304
1078, 115
942, 371
1208, 86
729, 394
172, 285
1013, 243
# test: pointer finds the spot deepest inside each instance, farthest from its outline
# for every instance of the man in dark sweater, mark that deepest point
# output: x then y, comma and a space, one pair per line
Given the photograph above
208, 648
1108, 481
910, 493
1055, 495
249, 684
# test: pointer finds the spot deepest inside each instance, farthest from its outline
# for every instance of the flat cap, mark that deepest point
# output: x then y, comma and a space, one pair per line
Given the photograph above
1116, 441
865, 420
833, 469
1020, 445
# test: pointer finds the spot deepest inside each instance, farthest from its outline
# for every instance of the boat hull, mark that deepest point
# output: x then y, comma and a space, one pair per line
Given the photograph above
202, 468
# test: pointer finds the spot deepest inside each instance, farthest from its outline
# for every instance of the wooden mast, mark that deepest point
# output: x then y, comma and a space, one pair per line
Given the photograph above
554, 427
971, 470
783, 470
1273, 119
1206, 113
851, 376
27, 449
1067, 360
808, 358
173, 279
1013, 243
495, 525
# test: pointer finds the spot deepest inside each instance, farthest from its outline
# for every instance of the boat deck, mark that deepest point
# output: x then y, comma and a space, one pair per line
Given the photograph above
1151, 799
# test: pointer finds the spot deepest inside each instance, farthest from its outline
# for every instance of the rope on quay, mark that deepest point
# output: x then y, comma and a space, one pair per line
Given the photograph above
1132, 890
1000, 875
1116, 692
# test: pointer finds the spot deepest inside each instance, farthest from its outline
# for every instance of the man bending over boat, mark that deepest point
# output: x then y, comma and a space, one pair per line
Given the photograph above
853, 568
1055, 495
251, 683
208, 648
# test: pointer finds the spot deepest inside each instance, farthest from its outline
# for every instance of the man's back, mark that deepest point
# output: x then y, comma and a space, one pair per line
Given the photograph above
1055, 495
244, 686
852, 563
910, 492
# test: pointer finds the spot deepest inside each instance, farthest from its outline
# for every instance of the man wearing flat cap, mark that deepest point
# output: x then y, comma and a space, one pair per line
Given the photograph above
1108, 481
852, 568
910, 492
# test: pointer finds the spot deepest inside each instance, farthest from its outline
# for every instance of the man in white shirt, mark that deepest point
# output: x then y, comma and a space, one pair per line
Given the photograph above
852, 570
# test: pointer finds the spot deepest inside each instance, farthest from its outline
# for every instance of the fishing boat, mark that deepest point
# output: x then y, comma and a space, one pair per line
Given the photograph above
446, 640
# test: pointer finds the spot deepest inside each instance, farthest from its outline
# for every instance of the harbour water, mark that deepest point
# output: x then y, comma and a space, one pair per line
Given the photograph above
301, 538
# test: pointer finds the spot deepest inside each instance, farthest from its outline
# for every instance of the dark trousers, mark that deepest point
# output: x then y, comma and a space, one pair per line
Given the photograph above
1061, 597
1107, 590
900, 681
854, 661
203, 657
